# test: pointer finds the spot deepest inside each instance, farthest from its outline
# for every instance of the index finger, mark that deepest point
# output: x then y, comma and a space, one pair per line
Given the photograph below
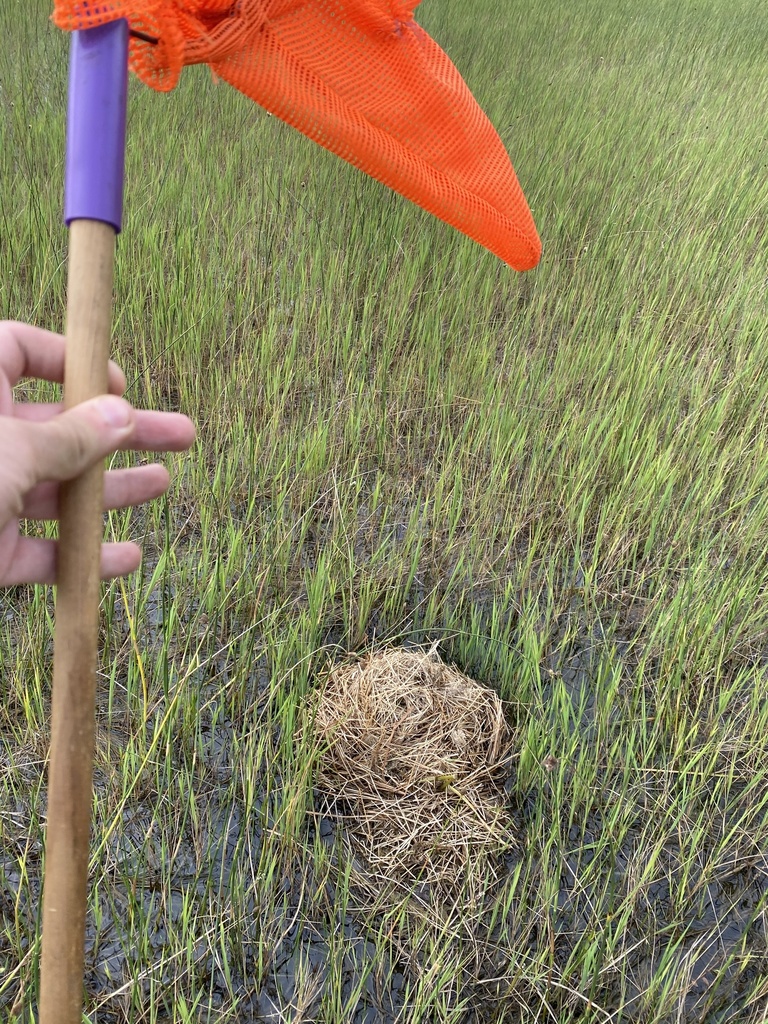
28, 351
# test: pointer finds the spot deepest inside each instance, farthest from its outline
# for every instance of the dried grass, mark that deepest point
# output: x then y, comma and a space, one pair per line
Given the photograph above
412, 755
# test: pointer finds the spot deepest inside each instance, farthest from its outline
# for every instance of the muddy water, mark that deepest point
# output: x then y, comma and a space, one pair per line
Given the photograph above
729, 920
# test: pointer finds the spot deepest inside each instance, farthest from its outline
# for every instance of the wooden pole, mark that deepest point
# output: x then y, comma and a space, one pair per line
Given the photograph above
70, 773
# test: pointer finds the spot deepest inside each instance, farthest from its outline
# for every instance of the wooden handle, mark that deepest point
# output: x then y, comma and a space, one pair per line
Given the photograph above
70, 774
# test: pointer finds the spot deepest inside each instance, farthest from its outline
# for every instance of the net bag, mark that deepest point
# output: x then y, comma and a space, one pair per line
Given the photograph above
359, 77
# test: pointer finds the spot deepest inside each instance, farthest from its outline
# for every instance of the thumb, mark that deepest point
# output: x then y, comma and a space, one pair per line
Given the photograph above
66, 445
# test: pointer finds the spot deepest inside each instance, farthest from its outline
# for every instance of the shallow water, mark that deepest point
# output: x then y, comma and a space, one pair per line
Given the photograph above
730, 918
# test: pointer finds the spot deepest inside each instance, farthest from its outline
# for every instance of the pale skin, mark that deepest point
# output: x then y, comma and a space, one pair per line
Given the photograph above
41, 445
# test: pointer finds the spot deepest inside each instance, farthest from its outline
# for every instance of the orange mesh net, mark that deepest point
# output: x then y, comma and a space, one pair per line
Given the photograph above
361, 78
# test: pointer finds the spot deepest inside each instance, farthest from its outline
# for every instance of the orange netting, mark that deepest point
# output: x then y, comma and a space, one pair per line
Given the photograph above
361, 78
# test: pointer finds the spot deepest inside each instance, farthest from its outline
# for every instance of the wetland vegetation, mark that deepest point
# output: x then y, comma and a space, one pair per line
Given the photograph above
559, 478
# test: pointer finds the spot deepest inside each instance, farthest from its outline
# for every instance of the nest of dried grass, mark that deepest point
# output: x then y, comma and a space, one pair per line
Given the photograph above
412, 758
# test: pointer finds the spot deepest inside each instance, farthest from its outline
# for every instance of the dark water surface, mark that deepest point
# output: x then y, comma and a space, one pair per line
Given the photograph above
730, 918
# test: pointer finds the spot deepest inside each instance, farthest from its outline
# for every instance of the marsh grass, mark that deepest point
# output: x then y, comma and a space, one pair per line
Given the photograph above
559, 477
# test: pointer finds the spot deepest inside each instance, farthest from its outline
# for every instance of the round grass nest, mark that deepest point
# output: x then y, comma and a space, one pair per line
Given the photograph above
412, 756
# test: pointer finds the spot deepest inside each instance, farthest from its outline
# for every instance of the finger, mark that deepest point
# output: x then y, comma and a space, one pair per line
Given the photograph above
160, 432
68, 444
35, 561
28, 351
122, 488
36, 412
119, 559
154, 431
126, 487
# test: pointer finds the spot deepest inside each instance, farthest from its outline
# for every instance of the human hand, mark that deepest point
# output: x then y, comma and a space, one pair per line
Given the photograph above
40, 446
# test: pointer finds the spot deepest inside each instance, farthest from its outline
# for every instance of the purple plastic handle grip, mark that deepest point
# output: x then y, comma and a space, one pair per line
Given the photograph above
98, 90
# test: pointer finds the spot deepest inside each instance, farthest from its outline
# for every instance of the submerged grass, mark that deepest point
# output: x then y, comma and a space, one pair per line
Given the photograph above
559, 477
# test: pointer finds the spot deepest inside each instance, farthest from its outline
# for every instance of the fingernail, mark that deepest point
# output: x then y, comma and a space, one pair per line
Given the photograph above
114, 411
